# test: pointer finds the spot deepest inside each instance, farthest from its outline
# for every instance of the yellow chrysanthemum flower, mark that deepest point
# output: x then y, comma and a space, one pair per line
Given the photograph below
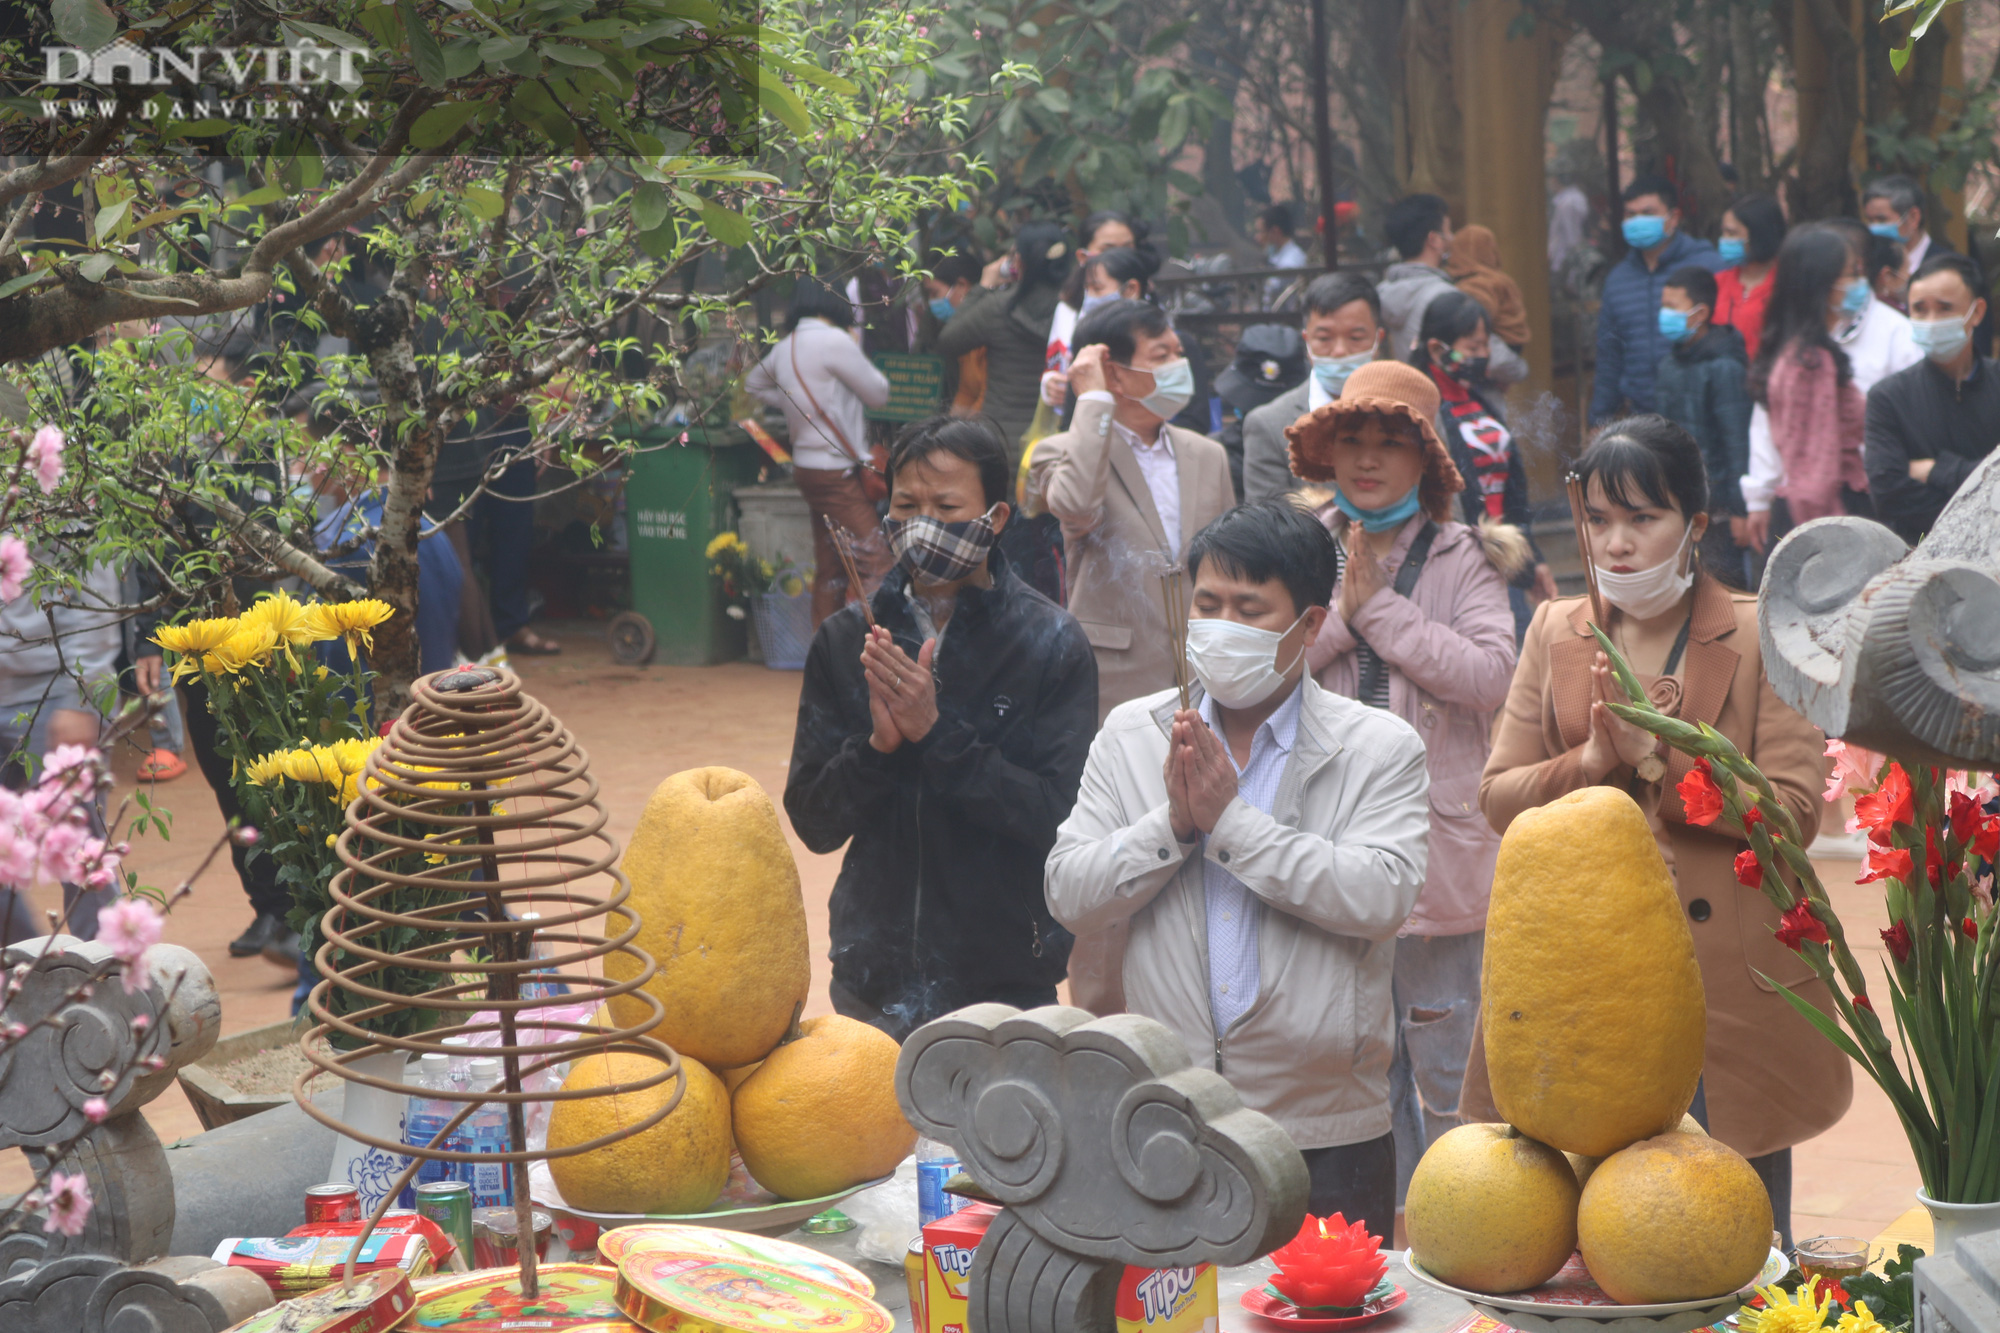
352, 755
294, 625
1859, 1320
725, 541
195, 637
250, 645
312, 764
1804, 1313
267, 770
352, 621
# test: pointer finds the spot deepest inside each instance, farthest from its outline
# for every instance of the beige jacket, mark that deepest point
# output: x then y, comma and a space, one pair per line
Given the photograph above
1114, 542
1335, 867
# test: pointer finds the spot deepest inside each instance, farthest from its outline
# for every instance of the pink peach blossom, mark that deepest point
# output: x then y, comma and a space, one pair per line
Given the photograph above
14, 566
45, 454
67, 1201
130, 928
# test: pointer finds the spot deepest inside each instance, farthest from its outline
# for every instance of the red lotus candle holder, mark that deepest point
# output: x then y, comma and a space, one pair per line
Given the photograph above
1331, 1263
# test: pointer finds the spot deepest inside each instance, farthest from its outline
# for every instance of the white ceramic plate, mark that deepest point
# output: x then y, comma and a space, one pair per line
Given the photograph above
1524, 1302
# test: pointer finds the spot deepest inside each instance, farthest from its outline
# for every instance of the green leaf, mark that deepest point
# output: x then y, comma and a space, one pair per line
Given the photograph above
88, 24
813, 74
726, 224
461, 58
441, 122
109, 218
1899, 56
497, 49
659, 242
1642, 76
597, 28
484, 203
319, 32
200, 129
1053, 100
781, 102
580, 56
650, 205
92, 268
25, 281
1812, 1014
425, 53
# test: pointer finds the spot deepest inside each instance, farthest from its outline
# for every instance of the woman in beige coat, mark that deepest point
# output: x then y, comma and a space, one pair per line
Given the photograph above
1768, 1080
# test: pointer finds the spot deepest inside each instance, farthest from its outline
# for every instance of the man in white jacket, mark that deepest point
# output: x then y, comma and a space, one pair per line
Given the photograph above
1264, 844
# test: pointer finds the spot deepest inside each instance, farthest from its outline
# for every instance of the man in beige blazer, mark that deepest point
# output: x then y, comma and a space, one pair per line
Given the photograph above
1131, 492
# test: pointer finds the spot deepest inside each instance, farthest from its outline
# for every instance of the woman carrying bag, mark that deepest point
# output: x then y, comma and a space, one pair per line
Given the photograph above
824, 383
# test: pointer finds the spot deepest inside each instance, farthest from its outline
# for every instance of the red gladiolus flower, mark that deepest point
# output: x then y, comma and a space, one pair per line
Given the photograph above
1887, 863
1863, 1002
1331, 1262
1965, 813
1752, 817
1934, 860
1700, 797
1987, 841
1748, 873
1970, 927
1897, 939
1798, 925
1890, 804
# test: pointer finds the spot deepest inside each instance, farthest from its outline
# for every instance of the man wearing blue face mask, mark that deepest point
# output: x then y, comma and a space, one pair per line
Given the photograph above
1629, 345
1929, 426
1343, 332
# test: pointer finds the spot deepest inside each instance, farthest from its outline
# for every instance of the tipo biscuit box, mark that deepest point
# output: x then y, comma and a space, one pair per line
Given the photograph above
1150, 1300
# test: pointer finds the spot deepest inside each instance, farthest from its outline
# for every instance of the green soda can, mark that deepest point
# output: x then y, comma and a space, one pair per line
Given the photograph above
449, 1204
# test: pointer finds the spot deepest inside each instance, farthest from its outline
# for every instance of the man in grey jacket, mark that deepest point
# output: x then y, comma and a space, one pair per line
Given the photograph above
1264, 844
1419, 226
1343, 332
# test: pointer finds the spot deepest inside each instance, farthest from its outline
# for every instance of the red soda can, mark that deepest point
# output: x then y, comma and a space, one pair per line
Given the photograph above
332, 1203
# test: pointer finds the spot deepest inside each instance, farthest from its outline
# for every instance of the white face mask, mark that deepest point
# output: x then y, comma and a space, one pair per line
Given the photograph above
1647, 593
1238, 664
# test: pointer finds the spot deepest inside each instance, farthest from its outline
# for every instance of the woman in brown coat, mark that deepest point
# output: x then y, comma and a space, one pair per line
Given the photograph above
1768, 1080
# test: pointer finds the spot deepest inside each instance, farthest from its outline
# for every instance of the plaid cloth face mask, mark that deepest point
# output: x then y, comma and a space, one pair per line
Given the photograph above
941, 552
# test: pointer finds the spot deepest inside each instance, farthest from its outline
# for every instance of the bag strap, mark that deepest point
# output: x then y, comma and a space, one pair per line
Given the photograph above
832, 425
1372, 665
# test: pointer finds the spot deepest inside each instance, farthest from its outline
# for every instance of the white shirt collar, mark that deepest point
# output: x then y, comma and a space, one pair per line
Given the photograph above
1282, 725
1141, 445
1316, 395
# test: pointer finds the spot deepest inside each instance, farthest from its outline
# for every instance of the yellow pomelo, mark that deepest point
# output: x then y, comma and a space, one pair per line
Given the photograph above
820, 1113
733, 1078
1679, 1217
678, 1166
1591, 996
1582, 1167
717, 894
1491, 1210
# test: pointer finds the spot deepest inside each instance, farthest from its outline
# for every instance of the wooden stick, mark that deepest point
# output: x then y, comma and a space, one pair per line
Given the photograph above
1574, 485
1175, 597
843, 546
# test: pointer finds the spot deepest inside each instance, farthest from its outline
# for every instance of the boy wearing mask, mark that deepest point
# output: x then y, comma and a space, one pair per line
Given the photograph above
942, 743
1700, 386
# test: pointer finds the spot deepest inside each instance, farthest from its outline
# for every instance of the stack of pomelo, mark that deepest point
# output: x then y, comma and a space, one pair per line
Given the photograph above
1594, 1022
811, 1106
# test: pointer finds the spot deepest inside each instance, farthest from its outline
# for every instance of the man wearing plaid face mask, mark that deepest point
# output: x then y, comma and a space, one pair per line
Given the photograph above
943, 743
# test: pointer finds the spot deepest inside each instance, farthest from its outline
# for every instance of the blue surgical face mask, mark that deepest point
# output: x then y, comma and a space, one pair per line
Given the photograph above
1173, 387
1732, 250
1940, 339
1379, 520
942, 309
1673, 324
1094, 300
1888, 229
1645, 231
1332, 371
1855, 299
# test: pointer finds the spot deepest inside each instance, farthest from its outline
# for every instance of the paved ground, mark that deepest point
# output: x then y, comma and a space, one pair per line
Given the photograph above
640, 724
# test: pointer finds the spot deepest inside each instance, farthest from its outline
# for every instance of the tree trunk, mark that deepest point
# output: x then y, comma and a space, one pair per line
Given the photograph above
387, 339
1218, 54
1711, 69
1825, 58
1749, 73
1372, 88
1678, 136
1431, 159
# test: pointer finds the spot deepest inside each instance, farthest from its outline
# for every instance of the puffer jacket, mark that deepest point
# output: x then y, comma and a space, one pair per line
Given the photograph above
1449, 648
1629, 345
1700, 385
1335, 868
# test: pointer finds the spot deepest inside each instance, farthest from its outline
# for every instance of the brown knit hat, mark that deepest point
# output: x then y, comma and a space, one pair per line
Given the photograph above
1380, 388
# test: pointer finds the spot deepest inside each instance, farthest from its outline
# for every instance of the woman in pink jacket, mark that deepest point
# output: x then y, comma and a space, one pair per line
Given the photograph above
1421, 627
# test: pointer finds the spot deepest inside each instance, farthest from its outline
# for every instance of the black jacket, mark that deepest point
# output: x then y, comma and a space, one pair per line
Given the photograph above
1699, 385
1921, 412
939, 901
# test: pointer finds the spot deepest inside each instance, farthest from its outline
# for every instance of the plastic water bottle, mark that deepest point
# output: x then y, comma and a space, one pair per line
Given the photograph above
492, 1182
936, 1163
540, 985
427, 1115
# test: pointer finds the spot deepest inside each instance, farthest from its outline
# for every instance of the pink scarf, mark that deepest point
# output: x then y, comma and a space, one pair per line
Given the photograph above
1816, 426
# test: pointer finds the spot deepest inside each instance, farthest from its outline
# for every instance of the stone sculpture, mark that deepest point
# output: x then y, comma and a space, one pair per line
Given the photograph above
1888, 648
1106, 1146
112, 1275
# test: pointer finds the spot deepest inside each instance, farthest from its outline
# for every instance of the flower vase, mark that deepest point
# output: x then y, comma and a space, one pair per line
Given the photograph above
1950, 1221
379, 1115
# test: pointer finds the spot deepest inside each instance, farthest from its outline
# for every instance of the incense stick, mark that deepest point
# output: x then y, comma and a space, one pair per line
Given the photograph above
843, 543
1574, 485
1175, 595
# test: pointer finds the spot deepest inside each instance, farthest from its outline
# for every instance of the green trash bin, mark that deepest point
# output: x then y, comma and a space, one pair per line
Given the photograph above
677, 499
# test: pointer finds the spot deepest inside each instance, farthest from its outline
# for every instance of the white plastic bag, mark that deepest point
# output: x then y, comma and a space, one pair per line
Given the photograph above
886, 1216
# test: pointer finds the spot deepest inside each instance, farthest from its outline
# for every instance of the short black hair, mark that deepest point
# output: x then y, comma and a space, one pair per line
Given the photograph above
1271, 539
1883, 252
1697, 282
1106, 215
1650, 184
813, 299
1765, 221
976, 439
1902, 192
1119, 325
963, 265
1124, 265
1410, 221
1450, 316
1277, 215
1965, 266
1647, 458
1330, 291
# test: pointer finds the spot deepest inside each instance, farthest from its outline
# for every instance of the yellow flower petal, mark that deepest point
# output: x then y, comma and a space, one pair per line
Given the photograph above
294, 625
352, 620
197, 636
250, 645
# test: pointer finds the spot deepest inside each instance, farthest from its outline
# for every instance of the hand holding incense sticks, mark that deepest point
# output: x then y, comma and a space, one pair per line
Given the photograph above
843, 545
1174, 593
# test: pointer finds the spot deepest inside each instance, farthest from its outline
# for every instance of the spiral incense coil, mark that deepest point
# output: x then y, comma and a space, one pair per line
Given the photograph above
478, 801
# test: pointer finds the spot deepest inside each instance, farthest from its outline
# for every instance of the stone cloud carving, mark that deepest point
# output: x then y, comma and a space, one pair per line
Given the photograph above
1107, 1148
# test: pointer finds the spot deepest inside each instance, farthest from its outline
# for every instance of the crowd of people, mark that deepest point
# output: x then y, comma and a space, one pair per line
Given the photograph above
1244, 767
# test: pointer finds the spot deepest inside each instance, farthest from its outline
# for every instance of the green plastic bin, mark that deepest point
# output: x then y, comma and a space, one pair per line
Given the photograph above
677, 499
